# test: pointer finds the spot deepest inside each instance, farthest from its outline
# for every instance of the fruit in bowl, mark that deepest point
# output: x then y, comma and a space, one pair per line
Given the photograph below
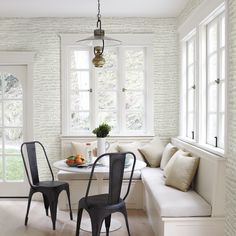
75, 160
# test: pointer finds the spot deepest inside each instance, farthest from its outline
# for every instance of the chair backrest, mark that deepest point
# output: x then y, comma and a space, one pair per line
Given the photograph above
30, 148
116, 172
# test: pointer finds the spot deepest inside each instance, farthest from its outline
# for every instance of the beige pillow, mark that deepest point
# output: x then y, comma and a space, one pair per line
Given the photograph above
182, 172
172, 159
80, 148
131, 147
167, 154
152, 152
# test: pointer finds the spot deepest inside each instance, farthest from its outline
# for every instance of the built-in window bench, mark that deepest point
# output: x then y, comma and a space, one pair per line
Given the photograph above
198, 212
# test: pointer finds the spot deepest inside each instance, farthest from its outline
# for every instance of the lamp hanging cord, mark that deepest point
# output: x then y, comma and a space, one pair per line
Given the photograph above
99, 23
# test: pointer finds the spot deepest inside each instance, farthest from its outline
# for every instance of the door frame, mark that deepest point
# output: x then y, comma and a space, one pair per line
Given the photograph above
22, 58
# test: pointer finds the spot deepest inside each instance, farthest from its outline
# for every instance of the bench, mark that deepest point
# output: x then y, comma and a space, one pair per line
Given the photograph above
198, 212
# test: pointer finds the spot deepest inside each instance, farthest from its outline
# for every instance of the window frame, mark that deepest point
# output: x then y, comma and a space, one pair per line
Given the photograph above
128, 40
201, 75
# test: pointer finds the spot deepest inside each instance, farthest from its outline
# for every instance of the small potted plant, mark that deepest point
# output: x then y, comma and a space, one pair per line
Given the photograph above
102, 132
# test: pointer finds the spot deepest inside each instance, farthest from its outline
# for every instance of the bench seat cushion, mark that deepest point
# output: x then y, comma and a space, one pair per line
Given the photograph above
171, 202
66, 175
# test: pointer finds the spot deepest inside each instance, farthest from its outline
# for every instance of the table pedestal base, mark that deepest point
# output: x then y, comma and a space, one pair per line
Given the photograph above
86, 225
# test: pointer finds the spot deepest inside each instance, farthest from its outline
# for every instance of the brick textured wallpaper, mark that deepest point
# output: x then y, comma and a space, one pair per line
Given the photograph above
230, 229
41, 35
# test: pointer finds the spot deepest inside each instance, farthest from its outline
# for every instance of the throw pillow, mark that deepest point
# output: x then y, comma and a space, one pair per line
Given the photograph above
152, 152
171, 161
131, 147
167, 154
182, 172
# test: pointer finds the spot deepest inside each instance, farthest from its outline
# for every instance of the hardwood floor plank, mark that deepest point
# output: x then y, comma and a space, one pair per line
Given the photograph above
12, 214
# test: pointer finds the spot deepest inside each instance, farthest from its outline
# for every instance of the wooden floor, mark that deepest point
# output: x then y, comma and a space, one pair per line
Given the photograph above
12, 215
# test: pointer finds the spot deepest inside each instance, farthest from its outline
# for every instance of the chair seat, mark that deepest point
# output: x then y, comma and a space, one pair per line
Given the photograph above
50, 184
97, 201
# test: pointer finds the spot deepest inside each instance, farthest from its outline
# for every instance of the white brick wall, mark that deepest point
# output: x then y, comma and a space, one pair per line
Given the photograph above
41, 35
230, 229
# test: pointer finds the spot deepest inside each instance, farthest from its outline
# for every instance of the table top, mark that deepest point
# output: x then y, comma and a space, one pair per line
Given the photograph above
61, 165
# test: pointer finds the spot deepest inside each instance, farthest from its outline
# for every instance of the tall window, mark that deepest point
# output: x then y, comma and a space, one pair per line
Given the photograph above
215, 81
119, 93
190, 87
203, 80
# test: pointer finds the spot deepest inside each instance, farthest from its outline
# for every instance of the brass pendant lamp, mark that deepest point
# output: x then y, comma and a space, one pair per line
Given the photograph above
98, 41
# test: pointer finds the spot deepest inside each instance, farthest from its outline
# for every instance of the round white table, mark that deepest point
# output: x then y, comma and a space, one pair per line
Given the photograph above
100, 171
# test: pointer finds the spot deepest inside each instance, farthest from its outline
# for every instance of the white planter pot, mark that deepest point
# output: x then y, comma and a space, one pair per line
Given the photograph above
102, 147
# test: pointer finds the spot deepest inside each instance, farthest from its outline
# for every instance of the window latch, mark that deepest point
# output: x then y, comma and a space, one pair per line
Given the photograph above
90, 90
217, 81
216, 141
194, 86
192, 134
124, 89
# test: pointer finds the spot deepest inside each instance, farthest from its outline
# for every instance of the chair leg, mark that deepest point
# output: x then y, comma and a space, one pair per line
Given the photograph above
107, 224
68, 196
53, 210
79, 216
96, 222
124, 212
46, 203
28, 207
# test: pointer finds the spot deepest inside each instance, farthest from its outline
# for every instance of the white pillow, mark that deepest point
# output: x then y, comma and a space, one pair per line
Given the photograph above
168, 152
182, 172
152, 152
171, 161
131, 147
80, 148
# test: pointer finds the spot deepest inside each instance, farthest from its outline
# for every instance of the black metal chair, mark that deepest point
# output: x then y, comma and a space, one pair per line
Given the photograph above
49, 189
100, 207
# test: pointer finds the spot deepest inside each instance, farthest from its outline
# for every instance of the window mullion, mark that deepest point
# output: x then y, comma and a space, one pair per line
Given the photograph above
93, 109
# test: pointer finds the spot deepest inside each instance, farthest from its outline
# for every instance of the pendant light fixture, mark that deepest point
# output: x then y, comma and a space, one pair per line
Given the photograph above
98, 41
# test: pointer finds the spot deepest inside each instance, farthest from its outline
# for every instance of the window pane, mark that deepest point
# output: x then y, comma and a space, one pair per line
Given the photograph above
134, 59
107, 100
14, 168
211, 129
212, 37
13, 115
0, 114
79, 80
80, 102
134, 100
109, 117
1, 168
191, 100
134, 80
80, 121
190, 126
222, 96
13, 138
0, 141
12, 87
212, 68
79, 59
222, 33
222, 66
212, 98
221, 131
107, 79
110, 56
134, 121
191, 81
191, 52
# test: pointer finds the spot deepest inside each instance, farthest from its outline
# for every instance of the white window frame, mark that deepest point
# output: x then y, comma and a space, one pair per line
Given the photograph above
200, 18
128, 40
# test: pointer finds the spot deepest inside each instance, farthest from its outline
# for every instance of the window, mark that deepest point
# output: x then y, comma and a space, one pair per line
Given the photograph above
203, 82
215, 51
119, 93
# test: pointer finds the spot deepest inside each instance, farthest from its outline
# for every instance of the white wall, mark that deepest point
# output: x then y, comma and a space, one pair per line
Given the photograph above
41, 35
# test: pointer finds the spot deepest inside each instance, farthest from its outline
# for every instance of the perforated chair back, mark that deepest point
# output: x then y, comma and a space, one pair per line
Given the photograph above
32, 161
116, 172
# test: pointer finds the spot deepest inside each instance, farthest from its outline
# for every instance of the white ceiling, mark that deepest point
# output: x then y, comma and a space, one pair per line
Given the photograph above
88, 8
